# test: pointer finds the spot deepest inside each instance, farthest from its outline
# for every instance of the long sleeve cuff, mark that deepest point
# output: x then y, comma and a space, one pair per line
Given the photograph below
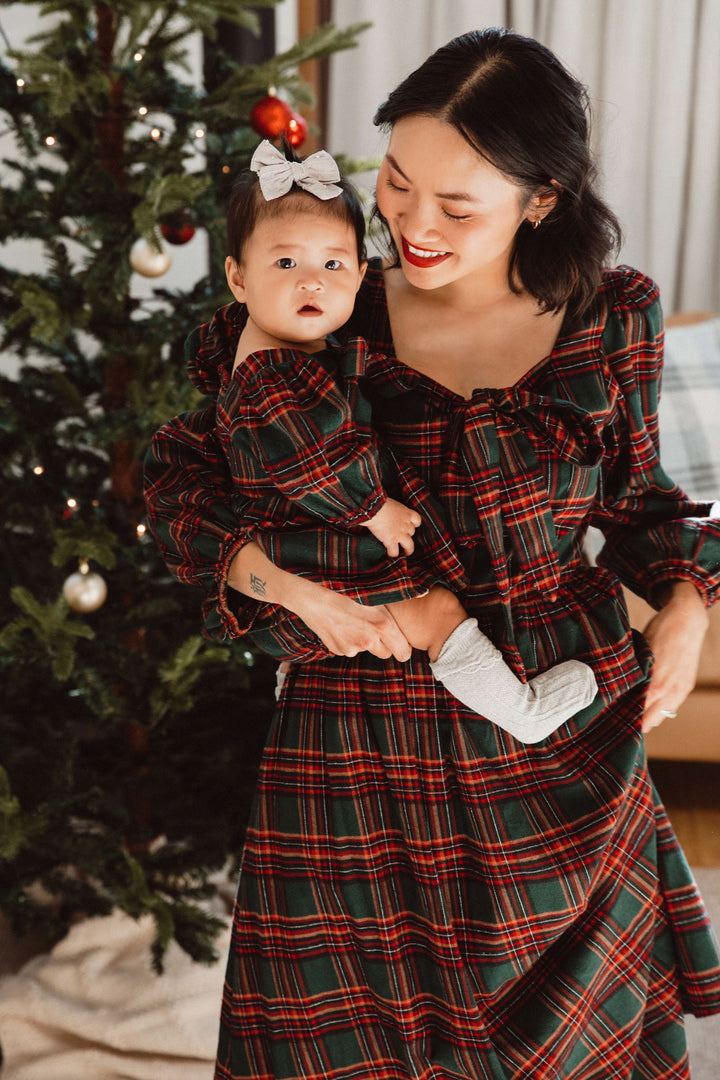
681, 549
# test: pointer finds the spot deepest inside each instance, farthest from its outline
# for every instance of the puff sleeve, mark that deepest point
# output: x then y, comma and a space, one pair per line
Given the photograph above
654, 533
304, 427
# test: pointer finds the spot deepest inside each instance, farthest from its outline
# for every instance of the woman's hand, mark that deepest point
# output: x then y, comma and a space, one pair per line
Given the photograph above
345, 627
675, 636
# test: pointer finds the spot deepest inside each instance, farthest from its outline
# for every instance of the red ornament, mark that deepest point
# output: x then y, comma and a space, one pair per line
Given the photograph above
270, 117
178, 228
297, 130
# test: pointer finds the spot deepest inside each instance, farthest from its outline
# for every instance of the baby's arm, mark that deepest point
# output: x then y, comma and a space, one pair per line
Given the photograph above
394, 526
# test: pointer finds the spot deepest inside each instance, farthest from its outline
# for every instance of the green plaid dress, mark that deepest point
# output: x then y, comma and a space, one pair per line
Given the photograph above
420, 895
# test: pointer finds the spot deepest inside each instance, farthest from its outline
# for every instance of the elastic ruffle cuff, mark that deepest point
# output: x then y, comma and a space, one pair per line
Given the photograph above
224, 615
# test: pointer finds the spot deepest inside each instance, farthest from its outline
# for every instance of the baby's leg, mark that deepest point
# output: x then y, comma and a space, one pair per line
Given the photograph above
428, 621
473, 670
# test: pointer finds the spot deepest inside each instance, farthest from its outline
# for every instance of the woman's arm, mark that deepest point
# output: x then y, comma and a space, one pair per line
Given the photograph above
660, 543
654, 534
345, 627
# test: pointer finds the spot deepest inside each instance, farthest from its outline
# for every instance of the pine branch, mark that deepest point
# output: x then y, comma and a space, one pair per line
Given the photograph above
46, 320
78, 542
280, 70
16, 827
323, 41
180, 674
50, 626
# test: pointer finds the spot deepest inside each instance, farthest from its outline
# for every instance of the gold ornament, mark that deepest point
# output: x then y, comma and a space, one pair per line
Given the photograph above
85, 590
147, 261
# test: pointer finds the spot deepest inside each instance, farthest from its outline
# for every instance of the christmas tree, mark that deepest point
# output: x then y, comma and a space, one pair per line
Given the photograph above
128, 742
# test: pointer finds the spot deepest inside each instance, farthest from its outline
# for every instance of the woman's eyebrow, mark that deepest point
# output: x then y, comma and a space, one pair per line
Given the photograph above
455, 196
396, 167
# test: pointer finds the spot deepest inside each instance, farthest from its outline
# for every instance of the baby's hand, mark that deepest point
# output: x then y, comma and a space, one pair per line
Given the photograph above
394, 526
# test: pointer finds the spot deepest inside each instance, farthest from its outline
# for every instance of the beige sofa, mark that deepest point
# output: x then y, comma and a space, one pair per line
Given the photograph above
690, 450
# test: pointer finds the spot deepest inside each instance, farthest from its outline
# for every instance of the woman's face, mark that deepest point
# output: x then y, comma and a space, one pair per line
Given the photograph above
450, 212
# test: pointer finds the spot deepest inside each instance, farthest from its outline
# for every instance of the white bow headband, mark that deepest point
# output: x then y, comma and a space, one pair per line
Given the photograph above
277, 175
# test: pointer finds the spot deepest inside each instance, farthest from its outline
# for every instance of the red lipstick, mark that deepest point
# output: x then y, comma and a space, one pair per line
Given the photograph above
423, 260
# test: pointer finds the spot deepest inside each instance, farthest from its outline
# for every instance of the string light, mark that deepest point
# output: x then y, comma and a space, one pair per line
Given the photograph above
20, 83
50, 140
38, 470
199, 133
71, 504
138, 56
141, 529
142, 111
155, 134
226, 168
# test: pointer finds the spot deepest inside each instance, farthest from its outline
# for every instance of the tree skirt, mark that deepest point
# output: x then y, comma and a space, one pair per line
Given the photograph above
94, 1008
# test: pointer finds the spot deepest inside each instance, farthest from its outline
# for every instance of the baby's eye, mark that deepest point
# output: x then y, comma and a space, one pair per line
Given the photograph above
286, 264
333, 264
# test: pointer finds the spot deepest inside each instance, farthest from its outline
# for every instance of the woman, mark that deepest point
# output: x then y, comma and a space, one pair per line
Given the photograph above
420, 894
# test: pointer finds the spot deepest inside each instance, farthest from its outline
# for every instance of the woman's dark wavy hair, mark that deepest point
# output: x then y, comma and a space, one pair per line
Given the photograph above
247, 207
517, 106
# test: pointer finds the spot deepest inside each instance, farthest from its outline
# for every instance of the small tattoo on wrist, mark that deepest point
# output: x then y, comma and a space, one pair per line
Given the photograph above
257, 585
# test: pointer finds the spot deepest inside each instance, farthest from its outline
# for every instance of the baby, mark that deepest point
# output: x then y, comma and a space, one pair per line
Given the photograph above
294, 420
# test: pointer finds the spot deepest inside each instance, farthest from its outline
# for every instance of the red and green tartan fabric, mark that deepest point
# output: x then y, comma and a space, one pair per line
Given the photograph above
297, 434
300, 425
420, 895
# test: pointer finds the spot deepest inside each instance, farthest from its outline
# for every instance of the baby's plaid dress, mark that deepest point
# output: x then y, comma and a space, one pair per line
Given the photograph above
297, 432
420, 895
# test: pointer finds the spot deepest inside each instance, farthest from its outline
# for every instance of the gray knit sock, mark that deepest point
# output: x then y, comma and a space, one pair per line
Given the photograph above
473, 670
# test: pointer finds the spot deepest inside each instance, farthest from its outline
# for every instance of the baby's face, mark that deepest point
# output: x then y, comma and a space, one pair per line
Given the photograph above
299, 275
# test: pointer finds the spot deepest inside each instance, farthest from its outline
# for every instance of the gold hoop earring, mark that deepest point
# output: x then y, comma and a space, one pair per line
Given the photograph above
536, 223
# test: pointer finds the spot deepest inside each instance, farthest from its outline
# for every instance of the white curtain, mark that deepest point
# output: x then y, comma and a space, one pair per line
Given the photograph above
653, 71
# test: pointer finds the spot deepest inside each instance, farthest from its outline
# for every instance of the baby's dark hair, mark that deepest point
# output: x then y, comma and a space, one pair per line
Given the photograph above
248, 206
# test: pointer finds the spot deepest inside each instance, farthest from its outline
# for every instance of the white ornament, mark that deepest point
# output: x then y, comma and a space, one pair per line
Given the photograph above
147, 261
85, 590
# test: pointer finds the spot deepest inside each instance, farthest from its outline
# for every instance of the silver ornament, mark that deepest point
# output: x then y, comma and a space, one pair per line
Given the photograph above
85, 591
147, 261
